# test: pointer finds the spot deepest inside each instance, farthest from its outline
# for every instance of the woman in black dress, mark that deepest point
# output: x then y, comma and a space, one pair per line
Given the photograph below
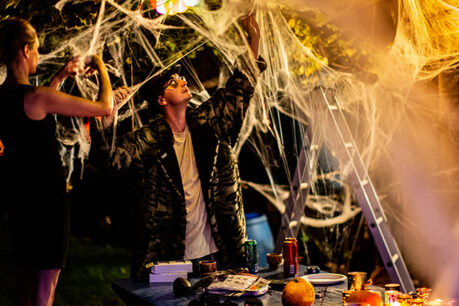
31, 167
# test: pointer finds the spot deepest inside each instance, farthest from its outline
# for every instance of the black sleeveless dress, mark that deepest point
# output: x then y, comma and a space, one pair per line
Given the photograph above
33, 184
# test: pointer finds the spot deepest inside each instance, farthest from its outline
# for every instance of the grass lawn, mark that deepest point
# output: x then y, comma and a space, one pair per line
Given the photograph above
91, 266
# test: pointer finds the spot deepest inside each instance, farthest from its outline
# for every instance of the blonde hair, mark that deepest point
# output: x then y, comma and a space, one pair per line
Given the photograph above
15, 33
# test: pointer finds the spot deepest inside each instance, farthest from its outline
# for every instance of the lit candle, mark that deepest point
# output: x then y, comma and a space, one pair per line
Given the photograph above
404, 299
423, 293
437, 302
417, 302
346, 294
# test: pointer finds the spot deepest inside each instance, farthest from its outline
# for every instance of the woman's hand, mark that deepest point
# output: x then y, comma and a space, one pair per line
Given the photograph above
77, 65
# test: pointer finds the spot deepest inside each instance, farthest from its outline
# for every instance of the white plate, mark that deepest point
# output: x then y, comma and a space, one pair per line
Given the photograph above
324, 278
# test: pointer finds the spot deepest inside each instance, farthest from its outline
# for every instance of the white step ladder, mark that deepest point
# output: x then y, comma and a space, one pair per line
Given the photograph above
346, 150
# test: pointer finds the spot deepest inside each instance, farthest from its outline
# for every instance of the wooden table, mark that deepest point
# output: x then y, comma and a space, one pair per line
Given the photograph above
161, 294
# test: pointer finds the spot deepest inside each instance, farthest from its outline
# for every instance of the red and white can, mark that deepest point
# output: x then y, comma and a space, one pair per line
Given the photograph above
290, 254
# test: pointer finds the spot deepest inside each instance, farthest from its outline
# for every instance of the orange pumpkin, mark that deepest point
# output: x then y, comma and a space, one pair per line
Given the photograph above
298, 292
372, 298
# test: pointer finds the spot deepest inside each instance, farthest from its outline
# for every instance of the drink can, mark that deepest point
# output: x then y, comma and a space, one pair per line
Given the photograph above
251, 255
391, 293
296, 251
289, 253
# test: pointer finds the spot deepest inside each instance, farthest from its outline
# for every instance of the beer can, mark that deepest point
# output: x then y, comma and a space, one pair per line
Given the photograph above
391, 293
289, 253
296, 250
251, 255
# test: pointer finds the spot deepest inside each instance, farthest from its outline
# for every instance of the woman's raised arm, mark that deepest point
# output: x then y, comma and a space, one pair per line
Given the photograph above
40, 101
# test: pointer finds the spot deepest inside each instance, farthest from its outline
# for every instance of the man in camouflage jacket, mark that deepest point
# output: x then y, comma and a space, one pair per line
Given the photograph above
214, 126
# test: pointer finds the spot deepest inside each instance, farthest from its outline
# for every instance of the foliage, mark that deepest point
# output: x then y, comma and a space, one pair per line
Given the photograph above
91, 268
328, 43
324, 40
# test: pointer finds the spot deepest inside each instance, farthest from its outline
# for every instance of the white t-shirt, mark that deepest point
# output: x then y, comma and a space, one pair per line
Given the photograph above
199, 241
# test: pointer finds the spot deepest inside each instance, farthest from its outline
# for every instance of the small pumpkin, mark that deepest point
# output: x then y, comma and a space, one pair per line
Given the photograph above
372, 298
298, 292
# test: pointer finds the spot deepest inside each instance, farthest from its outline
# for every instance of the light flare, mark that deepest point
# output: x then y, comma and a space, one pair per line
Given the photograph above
171, 7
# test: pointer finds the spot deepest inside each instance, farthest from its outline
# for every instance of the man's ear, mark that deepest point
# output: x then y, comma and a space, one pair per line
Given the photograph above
162, 101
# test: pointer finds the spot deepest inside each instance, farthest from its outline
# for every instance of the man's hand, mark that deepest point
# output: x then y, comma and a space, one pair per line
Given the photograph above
120, 95
250, 25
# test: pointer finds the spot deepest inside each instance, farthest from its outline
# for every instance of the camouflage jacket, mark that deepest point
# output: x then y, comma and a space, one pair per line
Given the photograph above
161, 227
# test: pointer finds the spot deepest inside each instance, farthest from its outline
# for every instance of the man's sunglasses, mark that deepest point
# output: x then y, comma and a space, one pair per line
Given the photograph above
174, 81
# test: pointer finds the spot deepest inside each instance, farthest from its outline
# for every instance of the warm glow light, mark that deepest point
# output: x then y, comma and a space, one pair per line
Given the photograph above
161, 9
191, 2
180, 7
172, 7
437, 302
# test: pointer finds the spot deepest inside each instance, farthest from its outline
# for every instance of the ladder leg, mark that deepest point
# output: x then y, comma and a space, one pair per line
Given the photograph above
296, 202
365, 193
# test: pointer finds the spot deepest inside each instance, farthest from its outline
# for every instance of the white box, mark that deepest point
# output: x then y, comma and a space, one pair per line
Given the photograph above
166, 277
171, 266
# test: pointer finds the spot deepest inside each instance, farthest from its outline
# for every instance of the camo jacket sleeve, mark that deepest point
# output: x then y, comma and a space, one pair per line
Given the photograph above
132, 148
227, 108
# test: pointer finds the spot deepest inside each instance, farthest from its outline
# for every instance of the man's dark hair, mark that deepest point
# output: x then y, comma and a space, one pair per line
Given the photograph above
152, 89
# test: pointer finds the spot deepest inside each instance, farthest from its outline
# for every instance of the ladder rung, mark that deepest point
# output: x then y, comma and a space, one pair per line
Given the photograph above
395, 257
292, 224
363, 182
348, 145
380, 220
333, 107
314, 147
